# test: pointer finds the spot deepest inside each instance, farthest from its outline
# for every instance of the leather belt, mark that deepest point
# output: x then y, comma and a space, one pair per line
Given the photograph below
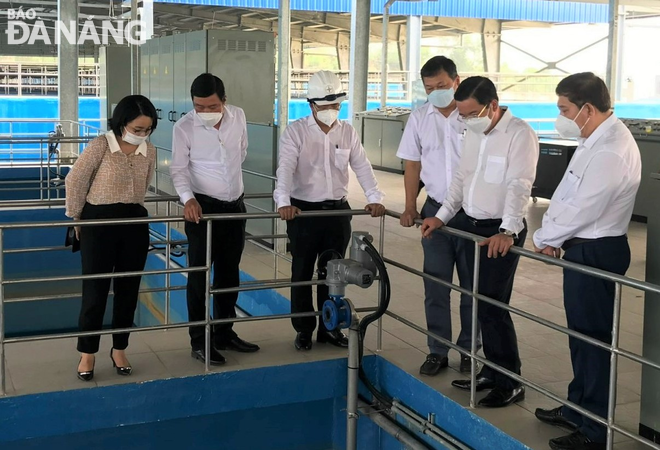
484, 223
325, 204
215, 201
578, 241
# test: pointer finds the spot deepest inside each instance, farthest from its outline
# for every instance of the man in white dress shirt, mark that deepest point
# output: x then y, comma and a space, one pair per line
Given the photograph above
431, 148
315, 153
209, 145
588, 217
492, 185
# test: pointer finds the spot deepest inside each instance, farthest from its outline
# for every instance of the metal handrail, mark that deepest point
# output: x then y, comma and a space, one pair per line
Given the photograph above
613, 348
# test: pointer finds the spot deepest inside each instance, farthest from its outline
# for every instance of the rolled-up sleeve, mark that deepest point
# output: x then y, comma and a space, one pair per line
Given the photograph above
520, 175
179, 169
79, 180
289, 152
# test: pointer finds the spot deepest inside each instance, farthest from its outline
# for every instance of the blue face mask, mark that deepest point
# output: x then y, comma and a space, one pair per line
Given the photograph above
441, 98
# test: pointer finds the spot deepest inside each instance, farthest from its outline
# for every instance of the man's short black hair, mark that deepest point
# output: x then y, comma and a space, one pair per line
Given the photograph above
585, 87
206, 85
479, 88
435, 65
130, 108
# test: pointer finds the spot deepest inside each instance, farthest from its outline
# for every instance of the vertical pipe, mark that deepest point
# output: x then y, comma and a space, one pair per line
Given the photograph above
612, 47
283, 98
614, 359
283, 66
168, 254
352, 384
383, 67
3, 390
475, 327
359, 61
381, 246
207, 295
41, 170
621, 31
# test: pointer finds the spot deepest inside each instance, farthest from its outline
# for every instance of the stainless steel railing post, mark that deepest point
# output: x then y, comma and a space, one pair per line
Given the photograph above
475, 326
614, 360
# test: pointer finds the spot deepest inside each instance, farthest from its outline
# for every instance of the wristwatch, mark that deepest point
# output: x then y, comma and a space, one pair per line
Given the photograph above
509, 233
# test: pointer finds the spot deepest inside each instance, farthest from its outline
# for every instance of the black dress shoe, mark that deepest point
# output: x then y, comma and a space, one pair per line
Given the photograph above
334, 337
575, 441
555, 417
434, 364
466, 364
86, 375
125, 371
238, 345
498, 397
216, 358
303, 341
483, 384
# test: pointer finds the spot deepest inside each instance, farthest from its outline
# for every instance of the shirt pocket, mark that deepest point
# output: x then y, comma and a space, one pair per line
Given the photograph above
495, 169
567, 187
342, 157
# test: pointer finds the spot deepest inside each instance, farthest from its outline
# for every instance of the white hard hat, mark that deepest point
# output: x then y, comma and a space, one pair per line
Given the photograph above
324, 88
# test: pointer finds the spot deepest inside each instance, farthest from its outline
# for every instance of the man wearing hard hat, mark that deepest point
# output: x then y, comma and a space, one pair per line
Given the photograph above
314, 156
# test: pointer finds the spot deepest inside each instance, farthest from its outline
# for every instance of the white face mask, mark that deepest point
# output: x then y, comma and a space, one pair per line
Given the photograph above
478, 125
327, 116
210, 119
133, 139
567, 128
441, 98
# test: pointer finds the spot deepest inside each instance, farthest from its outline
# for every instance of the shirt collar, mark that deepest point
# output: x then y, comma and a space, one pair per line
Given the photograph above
114, 144
505, 120
430, 109
599, 132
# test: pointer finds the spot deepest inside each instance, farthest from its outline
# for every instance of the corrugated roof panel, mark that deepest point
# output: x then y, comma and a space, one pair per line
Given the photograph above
530, 10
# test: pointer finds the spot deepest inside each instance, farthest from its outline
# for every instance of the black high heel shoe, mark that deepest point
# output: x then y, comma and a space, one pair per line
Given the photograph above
87, 375
125, 371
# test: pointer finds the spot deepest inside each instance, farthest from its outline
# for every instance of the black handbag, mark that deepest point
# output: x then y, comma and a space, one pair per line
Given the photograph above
71, 240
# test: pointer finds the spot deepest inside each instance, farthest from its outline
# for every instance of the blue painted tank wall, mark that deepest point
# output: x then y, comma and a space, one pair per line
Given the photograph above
301, 406
44, 315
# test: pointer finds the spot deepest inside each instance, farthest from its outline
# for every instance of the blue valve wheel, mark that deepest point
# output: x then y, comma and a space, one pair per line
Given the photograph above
336, 314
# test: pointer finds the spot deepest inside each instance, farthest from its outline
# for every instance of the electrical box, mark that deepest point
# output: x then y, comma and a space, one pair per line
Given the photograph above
114, 79
381, 132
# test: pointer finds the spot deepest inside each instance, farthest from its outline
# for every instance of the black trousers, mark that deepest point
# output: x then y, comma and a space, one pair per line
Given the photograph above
310, 238
227, 243
589, 304
496, 275
106, 249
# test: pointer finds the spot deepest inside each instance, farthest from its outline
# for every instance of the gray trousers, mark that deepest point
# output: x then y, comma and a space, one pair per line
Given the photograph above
441, 253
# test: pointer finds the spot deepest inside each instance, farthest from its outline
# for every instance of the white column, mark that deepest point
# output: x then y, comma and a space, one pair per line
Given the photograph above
67, 64
612, 48
413, 50
360, 23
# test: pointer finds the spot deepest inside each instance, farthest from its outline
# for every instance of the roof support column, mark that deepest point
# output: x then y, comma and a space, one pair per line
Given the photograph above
67, 65
283, 67
491, 43
360, 23
413, 49
611, 77
343, 51
135, 51
297, 54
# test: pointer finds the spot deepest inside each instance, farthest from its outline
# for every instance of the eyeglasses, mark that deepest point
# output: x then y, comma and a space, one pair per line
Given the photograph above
146, 132
474, 116
327, 98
